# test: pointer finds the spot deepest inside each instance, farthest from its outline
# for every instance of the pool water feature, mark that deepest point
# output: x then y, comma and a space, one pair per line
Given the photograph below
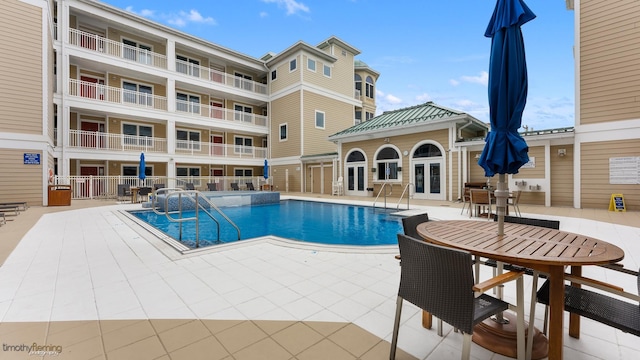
307, 221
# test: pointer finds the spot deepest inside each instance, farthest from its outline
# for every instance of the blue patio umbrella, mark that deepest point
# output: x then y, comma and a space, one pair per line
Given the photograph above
266, 169
142, 170
505, 150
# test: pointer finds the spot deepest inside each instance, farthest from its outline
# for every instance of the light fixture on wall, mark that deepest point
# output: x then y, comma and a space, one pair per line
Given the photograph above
386, 140
562, 152
477, 156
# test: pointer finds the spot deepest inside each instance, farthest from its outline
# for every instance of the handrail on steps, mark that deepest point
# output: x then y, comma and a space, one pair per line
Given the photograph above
408, 196
192, 195
385, 194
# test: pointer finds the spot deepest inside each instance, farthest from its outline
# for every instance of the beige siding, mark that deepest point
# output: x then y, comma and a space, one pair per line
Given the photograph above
610, 65
562, 176
115, 126
20, 182
116, 80
337, 116
284, 78
537, 172
594, 162
286, 110
319, 181
342, 72
21, 68
279, 177
117, 35
476, 172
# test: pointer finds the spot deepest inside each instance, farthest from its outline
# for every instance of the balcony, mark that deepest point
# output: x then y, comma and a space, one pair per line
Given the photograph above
218, 77
197, 148
218, 113
99, 92
116, 142
116, 49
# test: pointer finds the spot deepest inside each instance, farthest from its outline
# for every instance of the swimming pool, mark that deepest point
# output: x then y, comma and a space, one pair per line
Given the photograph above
308, 221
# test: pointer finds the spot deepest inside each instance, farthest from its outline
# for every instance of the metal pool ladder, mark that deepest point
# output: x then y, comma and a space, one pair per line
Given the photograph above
198, 199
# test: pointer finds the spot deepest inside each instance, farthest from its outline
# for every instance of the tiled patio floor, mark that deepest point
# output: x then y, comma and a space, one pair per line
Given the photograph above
81, 278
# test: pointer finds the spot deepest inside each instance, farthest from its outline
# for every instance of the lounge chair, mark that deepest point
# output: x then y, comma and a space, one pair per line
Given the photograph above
212, 186
250, 186
21, 204
14, 208
189, 186
4, 219
234, 187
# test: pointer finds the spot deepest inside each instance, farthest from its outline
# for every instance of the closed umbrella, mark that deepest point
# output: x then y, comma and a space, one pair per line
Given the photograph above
142, 171
266, 169
505, 150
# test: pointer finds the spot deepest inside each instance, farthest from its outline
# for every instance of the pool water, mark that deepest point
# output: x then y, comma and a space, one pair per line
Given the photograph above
307, 221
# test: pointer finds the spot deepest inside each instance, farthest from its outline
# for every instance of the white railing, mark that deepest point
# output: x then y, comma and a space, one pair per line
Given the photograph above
109, 47
119, 142
220, 77
197, 148
218, 113
106, 187
99, 92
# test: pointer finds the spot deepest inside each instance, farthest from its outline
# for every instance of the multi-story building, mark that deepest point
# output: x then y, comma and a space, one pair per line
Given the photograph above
87, 87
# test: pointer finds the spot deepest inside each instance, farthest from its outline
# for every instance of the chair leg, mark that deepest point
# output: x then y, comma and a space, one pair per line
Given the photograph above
396, 327
439, 327
532, 314
466, 346
520, 320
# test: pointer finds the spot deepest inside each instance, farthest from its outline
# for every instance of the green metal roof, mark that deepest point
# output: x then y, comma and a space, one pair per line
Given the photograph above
414, 115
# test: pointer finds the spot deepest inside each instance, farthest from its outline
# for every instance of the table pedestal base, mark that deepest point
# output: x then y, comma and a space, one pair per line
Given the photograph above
502, 338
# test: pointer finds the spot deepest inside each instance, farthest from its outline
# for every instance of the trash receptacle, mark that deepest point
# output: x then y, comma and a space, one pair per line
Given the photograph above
59, 195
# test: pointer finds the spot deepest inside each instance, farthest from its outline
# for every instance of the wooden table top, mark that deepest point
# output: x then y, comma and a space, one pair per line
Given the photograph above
522, 244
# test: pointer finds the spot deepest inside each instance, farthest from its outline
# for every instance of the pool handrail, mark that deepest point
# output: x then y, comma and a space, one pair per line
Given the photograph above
193, 195
384, 184
401, 196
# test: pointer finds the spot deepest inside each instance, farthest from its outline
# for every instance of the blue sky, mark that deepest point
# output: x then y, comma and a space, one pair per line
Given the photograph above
425, 50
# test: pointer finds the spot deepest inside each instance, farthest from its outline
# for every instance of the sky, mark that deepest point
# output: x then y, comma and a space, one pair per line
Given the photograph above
424, 50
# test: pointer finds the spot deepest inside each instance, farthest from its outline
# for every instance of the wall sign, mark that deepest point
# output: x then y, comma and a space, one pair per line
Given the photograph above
624, 170
31, 159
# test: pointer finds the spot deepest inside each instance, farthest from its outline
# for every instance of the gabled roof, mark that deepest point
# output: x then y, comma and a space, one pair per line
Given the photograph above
424, 114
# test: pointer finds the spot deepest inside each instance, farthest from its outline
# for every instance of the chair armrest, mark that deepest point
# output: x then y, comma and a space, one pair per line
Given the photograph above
593, 283
498, 280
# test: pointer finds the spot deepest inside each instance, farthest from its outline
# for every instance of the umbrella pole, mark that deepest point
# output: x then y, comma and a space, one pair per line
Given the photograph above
501, 194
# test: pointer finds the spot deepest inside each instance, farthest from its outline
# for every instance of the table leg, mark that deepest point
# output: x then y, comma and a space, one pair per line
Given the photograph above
426, 319
574, 319
556, 310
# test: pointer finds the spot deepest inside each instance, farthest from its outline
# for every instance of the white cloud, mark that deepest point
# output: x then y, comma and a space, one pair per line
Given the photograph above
392, 99
454, 82
482, 79
292, 6
264, 14
144, 12
424, 97
182, 18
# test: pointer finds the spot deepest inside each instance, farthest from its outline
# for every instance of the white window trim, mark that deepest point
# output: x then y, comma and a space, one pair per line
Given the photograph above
324, 119
137, 166
330, 71
376, 163
200, 104
196, 145
246, 151
274, 71
296, 63
315, 64
286, 126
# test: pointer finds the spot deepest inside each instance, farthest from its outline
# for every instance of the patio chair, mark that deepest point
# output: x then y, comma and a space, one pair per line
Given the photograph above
158, 186
250, 186
144, 192
212, 186
513, 202
480, 199
189, 186
466, 199
124, 190
4, 219
234, 187
605, 306
439, 280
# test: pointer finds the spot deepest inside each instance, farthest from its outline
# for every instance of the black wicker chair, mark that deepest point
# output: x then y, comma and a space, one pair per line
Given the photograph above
234, 187
410, 223
124, 190
250, 186
600, 306
189, 186
144, 191
212, 186
440, 280
158, 186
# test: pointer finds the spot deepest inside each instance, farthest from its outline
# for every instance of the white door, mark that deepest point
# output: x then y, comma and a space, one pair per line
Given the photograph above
355, 179
428, 178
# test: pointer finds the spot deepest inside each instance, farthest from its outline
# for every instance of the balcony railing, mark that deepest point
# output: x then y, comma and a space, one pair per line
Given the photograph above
117, 142
220, 77
219, 113
95, 91
198, 148
109, 47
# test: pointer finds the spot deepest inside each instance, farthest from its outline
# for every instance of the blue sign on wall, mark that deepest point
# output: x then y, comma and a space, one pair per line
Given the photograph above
31, 159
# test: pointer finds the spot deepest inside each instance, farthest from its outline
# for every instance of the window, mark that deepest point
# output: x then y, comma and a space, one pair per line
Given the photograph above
387, 164
243, 172
188, 103
293, 65
327, 70
140, 135
283, 132
189, 140
369, 87
311, 65
369, 116
274, 75
243, 113
136, 52
137, 94
358, 83
243, 145
132, 170
358, 117
320, 119
243, 81
189, 172
187, 65
427, 150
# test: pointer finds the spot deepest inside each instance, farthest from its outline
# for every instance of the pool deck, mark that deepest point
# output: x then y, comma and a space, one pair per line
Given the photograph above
80, 277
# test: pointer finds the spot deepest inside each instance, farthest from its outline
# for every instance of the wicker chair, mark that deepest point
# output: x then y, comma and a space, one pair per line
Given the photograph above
124, 190
234, 187
250, 186
600, 306
189, 186
440, 280
212, 186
